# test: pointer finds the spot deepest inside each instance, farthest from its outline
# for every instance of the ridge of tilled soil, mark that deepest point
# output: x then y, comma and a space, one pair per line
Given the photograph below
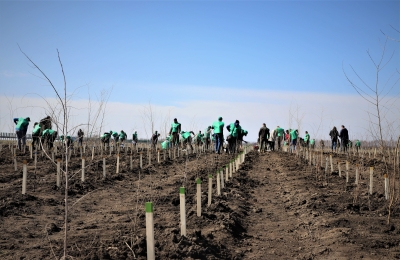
275, 207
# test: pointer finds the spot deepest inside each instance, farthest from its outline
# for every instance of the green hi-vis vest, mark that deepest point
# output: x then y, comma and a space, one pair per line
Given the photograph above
175, 127
36, 130
185, 135
280, 131
218, 127
235, 130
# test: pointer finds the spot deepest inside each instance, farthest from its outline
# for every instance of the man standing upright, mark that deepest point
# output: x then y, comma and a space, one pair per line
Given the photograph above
218, 127
263, 136
20, 129
207, 137
175, 130
280, 135
80, 137
344, 138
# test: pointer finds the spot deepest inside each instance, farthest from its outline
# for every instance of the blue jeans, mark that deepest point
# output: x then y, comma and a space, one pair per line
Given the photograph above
334, 145
218, 142
293, 145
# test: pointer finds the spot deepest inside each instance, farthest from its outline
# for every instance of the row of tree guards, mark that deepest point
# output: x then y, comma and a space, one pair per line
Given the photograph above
317, 159
222, 176
230, 168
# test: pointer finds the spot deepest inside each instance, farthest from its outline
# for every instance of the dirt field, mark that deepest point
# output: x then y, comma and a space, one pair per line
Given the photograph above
274, 207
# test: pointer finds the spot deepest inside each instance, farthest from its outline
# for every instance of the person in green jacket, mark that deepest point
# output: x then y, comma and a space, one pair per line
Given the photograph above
20, 129
293, 140
358, 145
67, 141
134, 138
199, 139
187, 139
174, 131
165, 144
122, 136
240, 137
280, 135
218, 127
207, 137
36, 135
105, 138
233, 138
115, 135
312, 144
49, 136
307, 140
349, 144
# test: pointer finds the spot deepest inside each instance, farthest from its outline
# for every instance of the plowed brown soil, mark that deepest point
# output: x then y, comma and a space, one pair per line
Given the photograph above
275, 207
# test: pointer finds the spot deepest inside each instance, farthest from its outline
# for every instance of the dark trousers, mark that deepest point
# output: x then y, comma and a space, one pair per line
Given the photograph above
207, 142
343, 145
279, 142
21, 135
186, 142
35, 141
333, 146
218, 142
175, 138
263, 145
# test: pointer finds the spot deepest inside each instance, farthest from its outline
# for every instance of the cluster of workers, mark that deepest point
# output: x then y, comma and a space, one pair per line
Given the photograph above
290, 137
178, 137
43, 134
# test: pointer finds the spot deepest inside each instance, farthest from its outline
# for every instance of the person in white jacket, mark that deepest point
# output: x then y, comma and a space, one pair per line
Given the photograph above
271, 140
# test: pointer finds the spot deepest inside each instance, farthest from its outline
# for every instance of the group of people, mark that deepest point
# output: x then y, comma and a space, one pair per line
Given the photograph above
42, 133
344, 143
267, 139
213, 133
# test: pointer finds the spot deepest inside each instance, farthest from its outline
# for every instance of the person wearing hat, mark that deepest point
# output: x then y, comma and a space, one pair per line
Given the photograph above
218, 127
154, 139
175, 130
20, 129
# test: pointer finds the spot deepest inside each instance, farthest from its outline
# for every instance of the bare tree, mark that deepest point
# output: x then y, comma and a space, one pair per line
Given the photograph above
380, 95
377, 94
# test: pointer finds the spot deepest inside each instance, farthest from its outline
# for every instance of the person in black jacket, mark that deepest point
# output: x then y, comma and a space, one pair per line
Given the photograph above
344, 138
263, 136
334, 134
80, 137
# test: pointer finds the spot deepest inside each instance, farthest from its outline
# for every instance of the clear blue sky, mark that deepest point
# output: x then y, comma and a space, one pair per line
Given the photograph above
158, 49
